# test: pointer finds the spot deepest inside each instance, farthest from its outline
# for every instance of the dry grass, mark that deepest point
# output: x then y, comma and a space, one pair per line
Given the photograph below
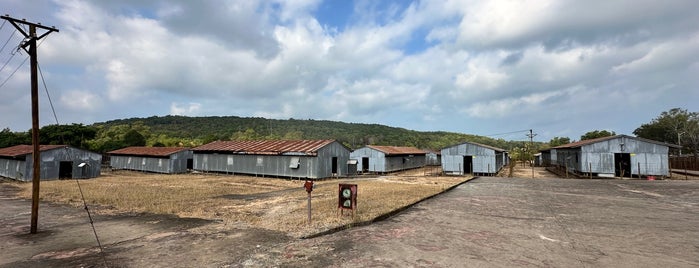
276, 204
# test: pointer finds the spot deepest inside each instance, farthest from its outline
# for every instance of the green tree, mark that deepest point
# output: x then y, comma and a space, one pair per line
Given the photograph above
675, 126
74, 135
134, 138
9, 138
596, 134
557, 141
247, 135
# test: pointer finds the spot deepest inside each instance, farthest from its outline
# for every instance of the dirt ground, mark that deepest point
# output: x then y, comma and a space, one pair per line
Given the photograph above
498, 222
523, 170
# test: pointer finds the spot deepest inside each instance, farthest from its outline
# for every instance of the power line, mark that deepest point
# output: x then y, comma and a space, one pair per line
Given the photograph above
8, 40
47, 93
20, 66
506, 133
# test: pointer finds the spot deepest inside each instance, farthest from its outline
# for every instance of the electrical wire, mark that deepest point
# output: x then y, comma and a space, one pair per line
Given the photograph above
20, 66
82, 196
8, 40
47, 93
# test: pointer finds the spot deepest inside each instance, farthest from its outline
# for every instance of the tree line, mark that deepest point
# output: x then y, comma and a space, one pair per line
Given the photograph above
676, 126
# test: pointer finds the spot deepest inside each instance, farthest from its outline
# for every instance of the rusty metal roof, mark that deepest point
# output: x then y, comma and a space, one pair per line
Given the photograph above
267, 147
148, 151
19, 150
397, 150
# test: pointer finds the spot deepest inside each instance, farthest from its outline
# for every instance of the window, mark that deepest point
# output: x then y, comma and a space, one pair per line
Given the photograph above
294, 163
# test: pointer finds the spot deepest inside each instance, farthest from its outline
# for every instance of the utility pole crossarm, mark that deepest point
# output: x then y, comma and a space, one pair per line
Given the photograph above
37, 25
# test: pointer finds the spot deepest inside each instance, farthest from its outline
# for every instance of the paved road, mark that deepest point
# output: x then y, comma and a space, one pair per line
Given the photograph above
506, 222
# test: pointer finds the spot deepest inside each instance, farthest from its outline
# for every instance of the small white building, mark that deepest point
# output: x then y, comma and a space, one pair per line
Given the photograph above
374, 158
473, 158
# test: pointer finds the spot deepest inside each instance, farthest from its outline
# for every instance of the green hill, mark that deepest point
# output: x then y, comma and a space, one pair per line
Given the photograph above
354, 135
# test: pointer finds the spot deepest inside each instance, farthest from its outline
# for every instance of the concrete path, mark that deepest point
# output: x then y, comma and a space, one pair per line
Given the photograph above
505, 222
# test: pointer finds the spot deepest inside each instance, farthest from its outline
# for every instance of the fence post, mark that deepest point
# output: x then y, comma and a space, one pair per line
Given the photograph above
589, 169
639, 169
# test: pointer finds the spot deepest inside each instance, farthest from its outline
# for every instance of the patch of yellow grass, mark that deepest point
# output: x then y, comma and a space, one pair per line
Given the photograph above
277, 204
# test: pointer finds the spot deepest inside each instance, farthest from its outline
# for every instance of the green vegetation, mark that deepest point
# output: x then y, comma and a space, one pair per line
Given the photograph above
676, 126
596, 134
195, 131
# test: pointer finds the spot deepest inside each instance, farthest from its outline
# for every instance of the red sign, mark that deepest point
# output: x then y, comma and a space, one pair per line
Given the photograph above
309, 186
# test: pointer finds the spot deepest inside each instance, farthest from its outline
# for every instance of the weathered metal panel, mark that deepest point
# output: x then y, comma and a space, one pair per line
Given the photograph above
485, 160
317, 166
13, 169
175, 163
647, 158
380, 162
51, 159
433, 159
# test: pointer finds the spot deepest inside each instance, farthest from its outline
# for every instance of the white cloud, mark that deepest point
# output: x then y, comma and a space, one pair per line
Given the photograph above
190, 109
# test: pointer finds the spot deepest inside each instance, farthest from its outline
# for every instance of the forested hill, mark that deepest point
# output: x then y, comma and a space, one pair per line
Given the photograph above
354, 135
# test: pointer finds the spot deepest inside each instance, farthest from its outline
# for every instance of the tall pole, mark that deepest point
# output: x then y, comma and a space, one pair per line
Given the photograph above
36, 172
531, 146
30, 47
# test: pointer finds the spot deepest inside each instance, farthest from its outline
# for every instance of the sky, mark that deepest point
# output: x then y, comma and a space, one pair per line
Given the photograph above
561, 68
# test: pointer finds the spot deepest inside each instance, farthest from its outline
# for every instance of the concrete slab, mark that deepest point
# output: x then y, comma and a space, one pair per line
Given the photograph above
506, 222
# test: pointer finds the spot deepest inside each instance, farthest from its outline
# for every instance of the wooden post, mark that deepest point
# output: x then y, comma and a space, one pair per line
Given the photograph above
589, 169
639, 169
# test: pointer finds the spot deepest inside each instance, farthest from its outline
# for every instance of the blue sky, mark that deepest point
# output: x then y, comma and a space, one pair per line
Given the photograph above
559, 67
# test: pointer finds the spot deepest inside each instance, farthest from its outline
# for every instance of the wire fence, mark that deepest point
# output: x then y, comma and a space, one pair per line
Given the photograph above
621, 169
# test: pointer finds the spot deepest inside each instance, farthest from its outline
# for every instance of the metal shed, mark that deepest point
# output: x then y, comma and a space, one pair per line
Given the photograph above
473, 158
313, 159
57, 161
619, 155
433, 158
152, 159
374, 158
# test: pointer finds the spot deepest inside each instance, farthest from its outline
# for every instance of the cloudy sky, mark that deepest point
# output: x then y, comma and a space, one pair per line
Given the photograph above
561, 68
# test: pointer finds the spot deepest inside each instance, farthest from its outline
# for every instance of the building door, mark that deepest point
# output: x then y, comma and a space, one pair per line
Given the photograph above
65, 170
365, 164
334, 165
468, 164
622, 165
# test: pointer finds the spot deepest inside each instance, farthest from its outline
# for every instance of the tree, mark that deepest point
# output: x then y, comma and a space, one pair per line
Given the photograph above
557, 141
74, 135
134, 138
676, 126
9, 138
596, 134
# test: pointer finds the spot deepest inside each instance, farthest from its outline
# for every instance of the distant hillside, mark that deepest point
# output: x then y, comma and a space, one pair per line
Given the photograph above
354, 135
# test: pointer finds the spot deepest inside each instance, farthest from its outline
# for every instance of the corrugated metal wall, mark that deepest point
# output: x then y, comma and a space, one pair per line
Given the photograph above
599, 158
379, 162
175, 163
484, 160
313, 167
51, 165
433, 159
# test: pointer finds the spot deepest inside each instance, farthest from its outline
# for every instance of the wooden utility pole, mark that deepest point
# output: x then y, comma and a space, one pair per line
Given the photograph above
29, 45
531, 146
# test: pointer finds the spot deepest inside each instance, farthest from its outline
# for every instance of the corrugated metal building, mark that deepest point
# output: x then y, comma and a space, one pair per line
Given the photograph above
57, 161
433, 158
152, 159
313, 159
473, 158
374, 158
619, 155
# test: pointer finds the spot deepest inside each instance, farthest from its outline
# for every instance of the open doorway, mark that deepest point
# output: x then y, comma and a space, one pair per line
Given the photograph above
334, 165
65, 170
468, 164
622, 165
365, 164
